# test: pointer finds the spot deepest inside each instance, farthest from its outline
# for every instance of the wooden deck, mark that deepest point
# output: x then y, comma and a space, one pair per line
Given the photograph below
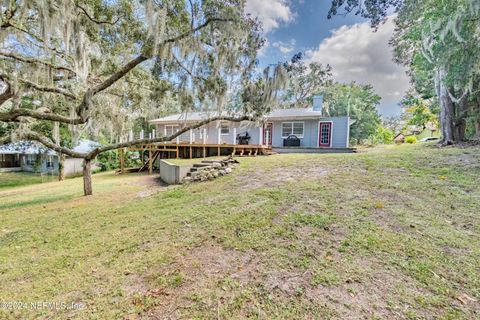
172, 150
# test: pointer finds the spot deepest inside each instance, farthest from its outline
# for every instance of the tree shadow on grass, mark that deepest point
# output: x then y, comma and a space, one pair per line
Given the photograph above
40, 200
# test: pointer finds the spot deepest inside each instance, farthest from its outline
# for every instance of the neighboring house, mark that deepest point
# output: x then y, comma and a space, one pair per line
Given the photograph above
28, 156
74, 166
305, 125
399, 138
32, 156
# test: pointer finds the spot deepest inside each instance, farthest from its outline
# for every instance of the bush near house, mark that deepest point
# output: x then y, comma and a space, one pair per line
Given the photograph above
411, 139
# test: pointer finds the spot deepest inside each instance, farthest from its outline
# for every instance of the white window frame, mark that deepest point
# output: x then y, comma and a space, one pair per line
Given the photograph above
174, 127
291, 133
50, 163
222, 126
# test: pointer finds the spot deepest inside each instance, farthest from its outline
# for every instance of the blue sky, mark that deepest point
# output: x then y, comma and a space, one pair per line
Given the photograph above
355, 52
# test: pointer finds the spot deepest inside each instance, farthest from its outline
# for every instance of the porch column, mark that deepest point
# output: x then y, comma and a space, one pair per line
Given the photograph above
219, 133
191, 136
204, 135
234, 135
260, 135
154, 134
142, 133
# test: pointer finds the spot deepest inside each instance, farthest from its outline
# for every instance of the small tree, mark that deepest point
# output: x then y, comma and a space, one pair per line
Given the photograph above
305, 81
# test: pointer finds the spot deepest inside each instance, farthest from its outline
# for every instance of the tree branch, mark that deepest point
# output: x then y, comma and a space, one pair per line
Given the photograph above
14, 115
84, 11
200, 27
7, 94
8, 24
30, 135
48, 89
34, 61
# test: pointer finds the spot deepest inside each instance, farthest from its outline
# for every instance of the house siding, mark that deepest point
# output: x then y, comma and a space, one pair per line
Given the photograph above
212, 133
43, 166
310, 133
340, 132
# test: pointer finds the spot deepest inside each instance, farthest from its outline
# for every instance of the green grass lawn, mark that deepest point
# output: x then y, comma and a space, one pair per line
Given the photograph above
389, 233
17, 179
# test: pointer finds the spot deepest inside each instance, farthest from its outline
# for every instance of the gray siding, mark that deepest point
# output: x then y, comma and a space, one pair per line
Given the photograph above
310, 135
212, 133
340, 132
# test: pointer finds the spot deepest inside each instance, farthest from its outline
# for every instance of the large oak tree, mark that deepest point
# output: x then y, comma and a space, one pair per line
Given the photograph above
93, 66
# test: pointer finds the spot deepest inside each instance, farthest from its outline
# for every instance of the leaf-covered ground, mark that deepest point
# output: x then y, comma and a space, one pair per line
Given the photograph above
389, 233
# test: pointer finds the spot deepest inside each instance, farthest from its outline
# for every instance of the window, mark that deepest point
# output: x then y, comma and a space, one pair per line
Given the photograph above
50, 164
295, 128
224, 129
169, 130
30, 160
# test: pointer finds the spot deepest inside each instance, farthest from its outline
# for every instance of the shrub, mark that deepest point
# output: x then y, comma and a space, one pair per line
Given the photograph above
411, 139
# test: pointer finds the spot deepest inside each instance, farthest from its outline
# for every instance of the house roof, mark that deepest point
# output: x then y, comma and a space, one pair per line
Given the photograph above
25, 147
298, 113
85, 146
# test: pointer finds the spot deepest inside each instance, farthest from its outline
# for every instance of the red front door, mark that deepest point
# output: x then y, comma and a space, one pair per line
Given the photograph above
267, 133
325, 135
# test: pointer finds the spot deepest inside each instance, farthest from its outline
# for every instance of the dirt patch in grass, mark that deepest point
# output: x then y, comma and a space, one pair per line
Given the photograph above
198, 270
261, 178
386, 295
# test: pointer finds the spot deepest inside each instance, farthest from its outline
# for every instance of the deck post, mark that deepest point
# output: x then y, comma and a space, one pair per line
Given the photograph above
191, 152
204, 153
150, 164
122, 160
177, 152
218, 151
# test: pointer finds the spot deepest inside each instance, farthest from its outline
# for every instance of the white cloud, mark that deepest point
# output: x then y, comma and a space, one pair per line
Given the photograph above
284, 47
270, 12
356, 53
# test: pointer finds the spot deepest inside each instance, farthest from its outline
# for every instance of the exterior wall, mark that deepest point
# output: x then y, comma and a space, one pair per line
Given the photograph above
73, 166
339, 137
172, 174
43, 165
212, 133
340, 133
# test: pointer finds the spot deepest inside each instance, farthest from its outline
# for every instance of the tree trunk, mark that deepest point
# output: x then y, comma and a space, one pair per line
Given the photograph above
460, 122
87, 178
446, 109
61, 167
477, 118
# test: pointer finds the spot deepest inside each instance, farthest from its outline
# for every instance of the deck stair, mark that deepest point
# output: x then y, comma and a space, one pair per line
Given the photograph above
209, 164
200, 168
